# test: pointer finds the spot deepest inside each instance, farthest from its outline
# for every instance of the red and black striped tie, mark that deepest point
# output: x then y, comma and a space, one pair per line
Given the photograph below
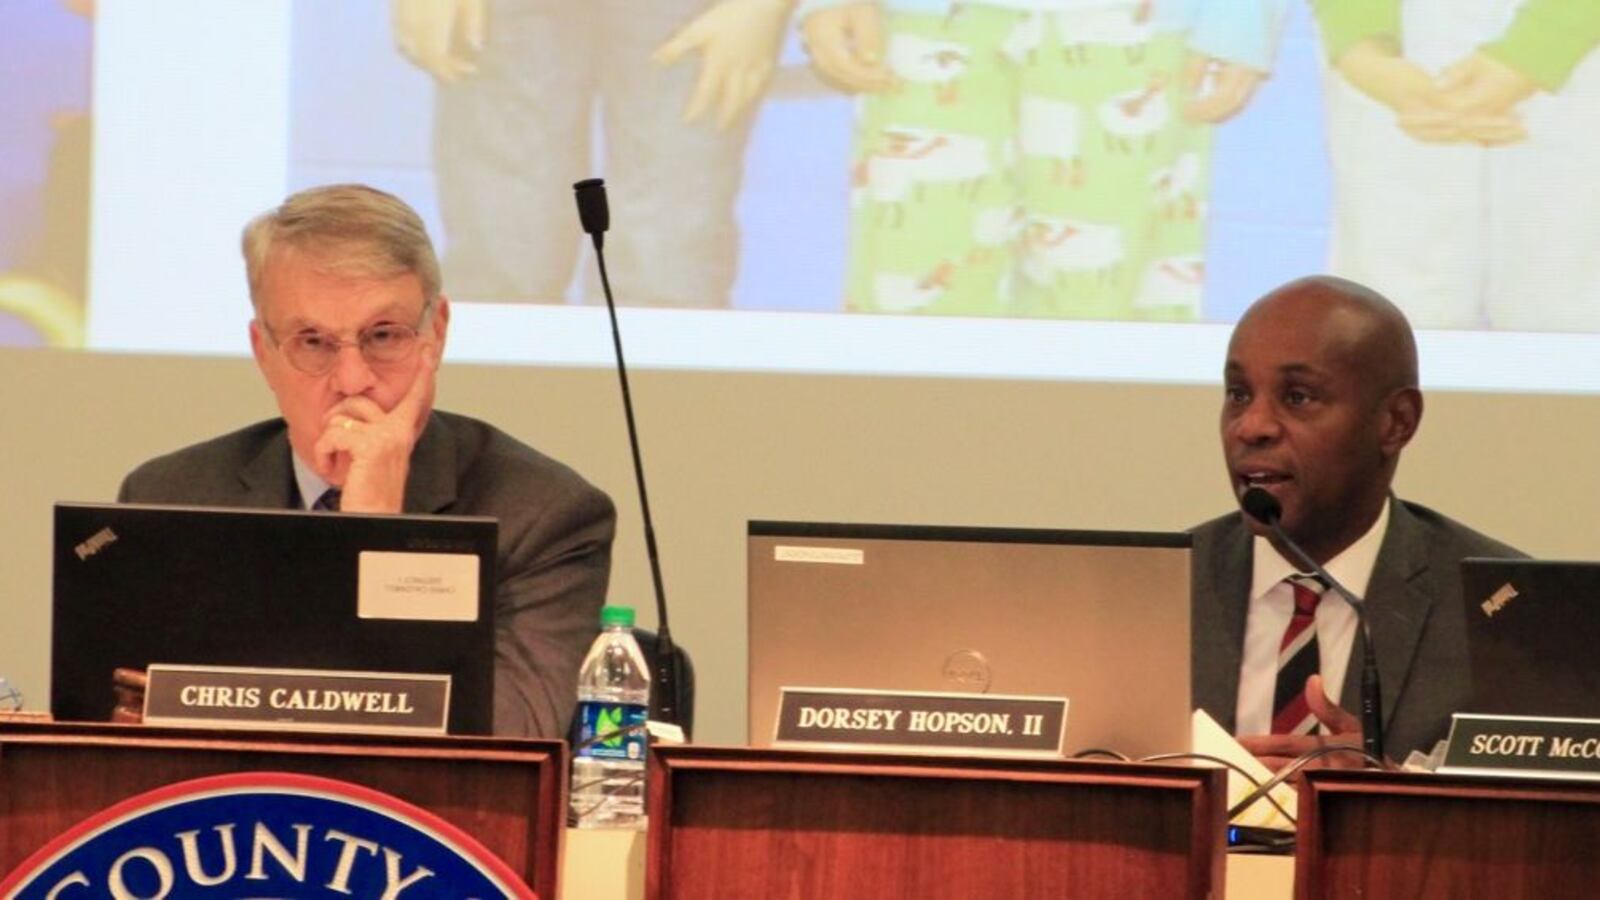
1298, 659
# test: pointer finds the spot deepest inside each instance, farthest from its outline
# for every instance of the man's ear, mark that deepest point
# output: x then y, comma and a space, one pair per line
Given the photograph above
440, 320
1402, 413
258, 345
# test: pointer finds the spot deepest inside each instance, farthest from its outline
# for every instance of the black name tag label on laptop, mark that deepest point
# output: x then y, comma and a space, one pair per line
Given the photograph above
893, 720
1559, 748
297, 699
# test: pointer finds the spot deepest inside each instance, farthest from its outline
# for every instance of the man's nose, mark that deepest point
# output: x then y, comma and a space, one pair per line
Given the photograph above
351, 372
1257, 423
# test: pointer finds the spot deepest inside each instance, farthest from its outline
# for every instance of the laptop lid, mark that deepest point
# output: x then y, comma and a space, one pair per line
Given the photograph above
135, 585
1101, 618
1533, 629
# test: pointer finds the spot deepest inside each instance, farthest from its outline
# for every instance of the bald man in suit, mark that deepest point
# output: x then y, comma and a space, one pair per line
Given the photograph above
1321, 396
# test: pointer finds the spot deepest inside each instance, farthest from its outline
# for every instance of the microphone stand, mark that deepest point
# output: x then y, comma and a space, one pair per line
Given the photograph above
1264, 508
595, 215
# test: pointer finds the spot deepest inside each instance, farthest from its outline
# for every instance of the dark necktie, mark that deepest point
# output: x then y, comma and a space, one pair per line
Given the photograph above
1298, 659
328, 502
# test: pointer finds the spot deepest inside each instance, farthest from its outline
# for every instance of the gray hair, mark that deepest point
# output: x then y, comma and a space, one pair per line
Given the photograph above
347, 229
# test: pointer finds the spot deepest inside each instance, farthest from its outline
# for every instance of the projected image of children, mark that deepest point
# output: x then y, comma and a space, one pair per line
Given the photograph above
1462, 136
1037, 159
520, 86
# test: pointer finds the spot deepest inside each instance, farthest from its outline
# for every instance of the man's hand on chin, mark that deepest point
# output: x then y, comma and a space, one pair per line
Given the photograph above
366, 452
1344, 730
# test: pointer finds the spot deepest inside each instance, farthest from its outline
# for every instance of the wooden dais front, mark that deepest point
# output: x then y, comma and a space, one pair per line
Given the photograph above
508, 794
738, 822
1378, 835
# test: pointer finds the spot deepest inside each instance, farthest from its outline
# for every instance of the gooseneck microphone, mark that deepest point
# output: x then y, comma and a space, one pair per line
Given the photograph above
1265, 508
595, 216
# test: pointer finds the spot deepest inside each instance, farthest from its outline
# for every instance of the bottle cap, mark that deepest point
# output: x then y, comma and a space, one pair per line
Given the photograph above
616, 615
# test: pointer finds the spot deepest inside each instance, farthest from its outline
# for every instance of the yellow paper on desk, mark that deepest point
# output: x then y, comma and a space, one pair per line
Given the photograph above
1211, 739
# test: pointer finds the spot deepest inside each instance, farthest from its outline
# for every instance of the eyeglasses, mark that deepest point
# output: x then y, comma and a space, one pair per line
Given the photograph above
384, 344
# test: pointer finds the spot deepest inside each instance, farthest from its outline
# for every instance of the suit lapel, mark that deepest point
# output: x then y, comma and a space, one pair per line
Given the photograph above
431, 485
1219, 621
267, 479
1399, 602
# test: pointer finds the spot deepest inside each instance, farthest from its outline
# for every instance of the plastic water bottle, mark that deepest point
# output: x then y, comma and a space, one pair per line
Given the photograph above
613, 696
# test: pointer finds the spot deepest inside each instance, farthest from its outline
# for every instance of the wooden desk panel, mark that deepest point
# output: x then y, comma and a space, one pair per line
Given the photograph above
762, 823
1379, 835
509, 795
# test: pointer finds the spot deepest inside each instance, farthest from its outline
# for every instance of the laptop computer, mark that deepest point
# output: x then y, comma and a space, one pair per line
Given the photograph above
1098, 617
1533, 627
135, 585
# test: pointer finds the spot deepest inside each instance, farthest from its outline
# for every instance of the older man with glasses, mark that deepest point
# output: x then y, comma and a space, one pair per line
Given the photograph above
348, 331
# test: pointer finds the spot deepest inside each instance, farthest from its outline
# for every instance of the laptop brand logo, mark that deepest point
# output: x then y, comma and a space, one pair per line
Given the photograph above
1498, 600
95, 543
968, 670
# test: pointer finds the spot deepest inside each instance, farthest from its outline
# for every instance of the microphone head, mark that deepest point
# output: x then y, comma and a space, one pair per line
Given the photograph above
593, 210
1261, 505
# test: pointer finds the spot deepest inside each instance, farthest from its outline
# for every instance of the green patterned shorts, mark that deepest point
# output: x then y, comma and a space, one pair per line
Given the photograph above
1029, 164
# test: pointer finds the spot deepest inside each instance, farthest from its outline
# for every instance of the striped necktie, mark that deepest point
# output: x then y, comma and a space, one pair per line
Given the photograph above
328, 502
1298, 659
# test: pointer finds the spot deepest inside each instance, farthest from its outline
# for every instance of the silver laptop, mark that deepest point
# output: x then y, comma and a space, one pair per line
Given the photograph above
1101, 618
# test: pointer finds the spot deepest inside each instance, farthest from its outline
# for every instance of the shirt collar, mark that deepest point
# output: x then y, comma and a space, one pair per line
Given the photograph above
1352, 567
311, 485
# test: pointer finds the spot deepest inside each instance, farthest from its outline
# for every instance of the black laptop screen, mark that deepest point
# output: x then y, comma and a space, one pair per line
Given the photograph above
1533, 629
135, 585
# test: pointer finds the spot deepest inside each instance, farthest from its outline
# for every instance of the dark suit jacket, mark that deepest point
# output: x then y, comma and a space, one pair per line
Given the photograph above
1414, 605
554, 555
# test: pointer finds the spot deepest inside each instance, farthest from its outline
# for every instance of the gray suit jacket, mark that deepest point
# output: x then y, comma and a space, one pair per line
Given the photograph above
1414, 606
554, 555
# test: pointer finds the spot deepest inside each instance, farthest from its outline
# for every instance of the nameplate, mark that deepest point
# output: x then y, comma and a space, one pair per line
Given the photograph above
1526, 745
297, 699
900, 721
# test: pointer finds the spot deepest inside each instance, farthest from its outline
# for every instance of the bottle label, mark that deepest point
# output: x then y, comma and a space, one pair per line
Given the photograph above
609, 721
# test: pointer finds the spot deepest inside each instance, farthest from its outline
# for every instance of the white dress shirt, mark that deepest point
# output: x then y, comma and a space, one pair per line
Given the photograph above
310, 484
1271, 608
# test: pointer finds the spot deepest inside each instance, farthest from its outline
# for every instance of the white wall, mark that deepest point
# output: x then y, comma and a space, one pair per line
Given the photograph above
725, 448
